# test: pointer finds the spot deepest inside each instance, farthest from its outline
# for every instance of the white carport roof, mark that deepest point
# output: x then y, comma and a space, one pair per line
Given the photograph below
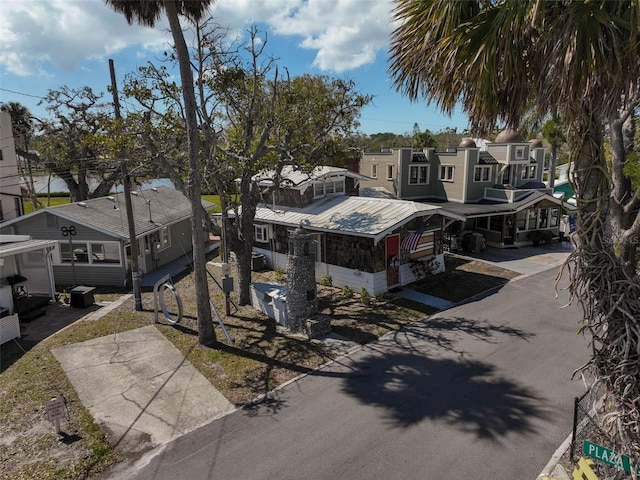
349, 215
14, 248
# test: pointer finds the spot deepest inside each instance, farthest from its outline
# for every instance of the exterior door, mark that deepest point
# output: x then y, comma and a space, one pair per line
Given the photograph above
506, 175
393, 260
509, 230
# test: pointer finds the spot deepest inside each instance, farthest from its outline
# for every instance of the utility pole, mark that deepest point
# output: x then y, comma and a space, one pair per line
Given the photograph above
133, 242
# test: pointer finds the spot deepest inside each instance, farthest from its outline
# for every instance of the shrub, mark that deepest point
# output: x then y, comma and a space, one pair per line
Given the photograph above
347, 291
280, 274
379, 297
326, 281
365, 297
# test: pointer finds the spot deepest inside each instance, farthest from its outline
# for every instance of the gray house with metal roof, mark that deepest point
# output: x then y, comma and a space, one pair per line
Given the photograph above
92, 237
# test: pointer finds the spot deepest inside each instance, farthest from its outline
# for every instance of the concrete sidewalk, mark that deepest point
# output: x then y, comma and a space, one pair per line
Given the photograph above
140, 388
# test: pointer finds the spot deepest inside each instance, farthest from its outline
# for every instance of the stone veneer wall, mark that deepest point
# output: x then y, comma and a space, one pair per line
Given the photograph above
355, 252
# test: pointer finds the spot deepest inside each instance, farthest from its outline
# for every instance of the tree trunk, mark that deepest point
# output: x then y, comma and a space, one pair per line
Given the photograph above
206, 334
552, 166
606, 269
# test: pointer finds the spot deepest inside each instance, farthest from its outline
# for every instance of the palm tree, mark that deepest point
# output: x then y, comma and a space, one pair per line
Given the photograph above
147, 13
498, 59
553, 132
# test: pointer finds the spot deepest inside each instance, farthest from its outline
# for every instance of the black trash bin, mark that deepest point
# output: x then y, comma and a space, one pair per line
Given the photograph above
81, 297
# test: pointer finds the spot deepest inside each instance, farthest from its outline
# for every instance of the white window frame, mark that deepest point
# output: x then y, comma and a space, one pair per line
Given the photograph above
374, 170
447, 173
418, 177
57, 257
261, 233
485, 171
335, 187
529, 172
520, 152
389, 171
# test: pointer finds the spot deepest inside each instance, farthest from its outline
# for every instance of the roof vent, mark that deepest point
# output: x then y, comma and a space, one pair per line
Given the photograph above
82, 204
155, 189
134, 193
112, 199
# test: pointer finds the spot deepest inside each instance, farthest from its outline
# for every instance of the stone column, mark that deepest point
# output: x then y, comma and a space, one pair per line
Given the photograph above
302, 298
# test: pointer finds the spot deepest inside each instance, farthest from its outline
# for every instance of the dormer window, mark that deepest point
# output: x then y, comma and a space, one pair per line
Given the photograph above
520, 153
335, 187
374, 170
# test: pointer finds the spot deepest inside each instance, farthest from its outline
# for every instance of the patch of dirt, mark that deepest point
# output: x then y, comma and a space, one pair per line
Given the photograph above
463, 279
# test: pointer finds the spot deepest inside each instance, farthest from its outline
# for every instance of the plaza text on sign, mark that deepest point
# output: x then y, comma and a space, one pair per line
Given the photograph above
608, 456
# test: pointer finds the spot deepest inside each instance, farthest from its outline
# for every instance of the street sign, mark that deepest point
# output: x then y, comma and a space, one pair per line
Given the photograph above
608, 456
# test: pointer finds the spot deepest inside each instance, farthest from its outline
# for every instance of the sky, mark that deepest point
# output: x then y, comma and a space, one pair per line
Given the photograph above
47, 44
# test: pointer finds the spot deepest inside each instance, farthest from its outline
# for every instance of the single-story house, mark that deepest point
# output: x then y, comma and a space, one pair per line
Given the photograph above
27, 282
91, 238
361, 242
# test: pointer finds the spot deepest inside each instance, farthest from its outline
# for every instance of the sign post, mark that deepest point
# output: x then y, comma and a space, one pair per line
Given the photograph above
55, 411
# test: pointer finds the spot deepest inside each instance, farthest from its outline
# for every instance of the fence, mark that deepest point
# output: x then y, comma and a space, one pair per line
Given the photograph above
587, 425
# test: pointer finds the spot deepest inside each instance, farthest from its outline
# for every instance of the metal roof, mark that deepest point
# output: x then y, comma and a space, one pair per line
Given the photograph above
14, 248
152, 209
349, 215
297, 177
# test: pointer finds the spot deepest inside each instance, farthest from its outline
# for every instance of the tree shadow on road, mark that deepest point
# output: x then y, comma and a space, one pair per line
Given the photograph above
467, 395
446, 333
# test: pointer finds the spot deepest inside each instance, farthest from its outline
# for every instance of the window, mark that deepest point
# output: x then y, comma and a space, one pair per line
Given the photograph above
95, 253
374, 170
446, 173
519, 153
553, 217
328, 188
389, 172
521, 221
482, 174
165, 238
261, 233
1, 155
543, 219
528, 172
418, 174
105, 253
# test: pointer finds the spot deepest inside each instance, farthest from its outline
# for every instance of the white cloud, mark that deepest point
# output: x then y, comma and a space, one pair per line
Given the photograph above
66, 32
345, 34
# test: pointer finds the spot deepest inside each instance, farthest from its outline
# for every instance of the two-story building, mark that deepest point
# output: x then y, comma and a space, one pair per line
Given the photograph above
10, 178
362, 242
497, 189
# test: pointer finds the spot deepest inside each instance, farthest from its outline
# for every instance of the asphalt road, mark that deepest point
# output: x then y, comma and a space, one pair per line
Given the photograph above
480, 391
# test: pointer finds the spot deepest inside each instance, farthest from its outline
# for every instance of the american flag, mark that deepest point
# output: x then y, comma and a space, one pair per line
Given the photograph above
410, 242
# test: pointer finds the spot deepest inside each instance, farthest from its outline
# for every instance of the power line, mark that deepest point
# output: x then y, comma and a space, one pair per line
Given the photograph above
21, 93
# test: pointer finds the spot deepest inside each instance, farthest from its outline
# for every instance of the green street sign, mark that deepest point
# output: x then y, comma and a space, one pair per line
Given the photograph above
608, 456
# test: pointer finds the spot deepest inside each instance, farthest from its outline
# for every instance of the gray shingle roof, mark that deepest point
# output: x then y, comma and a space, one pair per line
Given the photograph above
152, 208
486, 158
